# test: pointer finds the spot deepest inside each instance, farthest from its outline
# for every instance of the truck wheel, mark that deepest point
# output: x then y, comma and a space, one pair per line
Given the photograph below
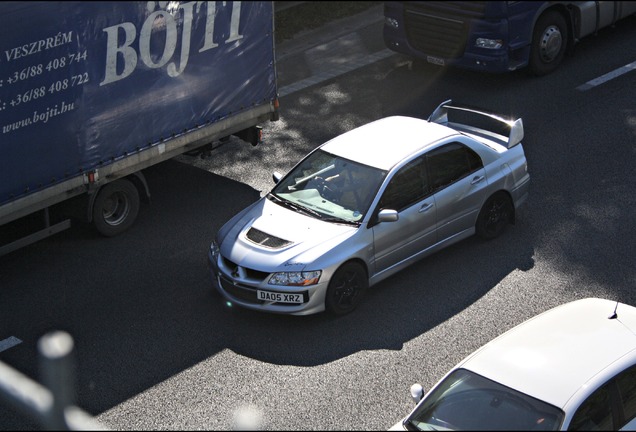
115, 208
549, 41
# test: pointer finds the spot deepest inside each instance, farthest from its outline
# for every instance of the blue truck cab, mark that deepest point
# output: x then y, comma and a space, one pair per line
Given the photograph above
496, 36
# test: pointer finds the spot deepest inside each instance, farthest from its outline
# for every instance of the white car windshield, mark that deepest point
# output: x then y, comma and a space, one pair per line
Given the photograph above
467, 401
331, 187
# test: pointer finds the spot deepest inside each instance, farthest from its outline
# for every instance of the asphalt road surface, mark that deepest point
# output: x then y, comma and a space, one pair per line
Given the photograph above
157, 349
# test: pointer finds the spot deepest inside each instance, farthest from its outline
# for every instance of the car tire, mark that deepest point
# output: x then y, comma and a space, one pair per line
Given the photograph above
549, 42
494, 216
115, 208
346, 288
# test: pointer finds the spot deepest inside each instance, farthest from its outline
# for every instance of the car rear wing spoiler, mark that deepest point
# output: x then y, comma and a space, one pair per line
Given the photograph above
515, 126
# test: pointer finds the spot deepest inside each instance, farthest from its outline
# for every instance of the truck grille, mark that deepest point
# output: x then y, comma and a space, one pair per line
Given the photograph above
440, 28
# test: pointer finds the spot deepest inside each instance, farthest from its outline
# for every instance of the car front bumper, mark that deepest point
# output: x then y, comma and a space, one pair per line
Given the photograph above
244, 293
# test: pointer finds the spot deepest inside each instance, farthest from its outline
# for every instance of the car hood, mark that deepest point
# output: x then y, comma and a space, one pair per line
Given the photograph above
542, 356
269, 237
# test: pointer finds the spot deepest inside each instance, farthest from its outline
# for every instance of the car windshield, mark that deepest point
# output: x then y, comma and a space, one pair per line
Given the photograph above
331, 187
467, 401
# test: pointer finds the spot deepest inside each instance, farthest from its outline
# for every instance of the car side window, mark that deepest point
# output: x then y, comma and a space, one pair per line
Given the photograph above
595, 413
408, 186
627, 389
450, 163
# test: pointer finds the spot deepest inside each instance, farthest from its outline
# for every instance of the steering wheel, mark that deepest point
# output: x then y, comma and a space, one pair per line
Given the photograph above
324, 188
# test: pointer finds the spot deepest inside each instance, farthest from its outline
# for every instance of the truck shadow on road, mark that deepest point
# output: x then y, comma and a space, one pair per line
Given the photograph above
141, 309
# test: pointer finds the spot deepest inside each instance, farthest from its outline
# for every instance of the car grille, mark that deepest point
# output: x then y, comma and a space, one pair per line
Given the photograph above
264, 239
248, 294
440, 28
231, 267
240, 292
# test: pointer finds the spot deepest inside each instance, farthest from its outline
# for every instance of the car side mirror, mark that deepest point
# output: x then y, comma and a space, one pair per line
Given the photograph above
417, 392
276, 176
387, 215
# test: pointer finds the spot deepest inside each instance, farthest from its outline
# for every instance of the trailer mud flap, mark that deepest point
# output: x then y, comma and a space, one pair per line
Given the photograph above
253, 135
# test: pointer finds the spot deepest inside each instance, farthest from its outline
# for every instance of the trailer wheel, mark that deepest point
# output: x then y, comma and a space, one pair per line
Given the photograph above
115, 208
549, 41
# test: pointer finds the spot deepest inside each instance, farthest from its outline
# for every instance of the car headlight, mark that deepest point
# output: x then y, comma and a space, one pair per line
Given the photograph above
298, 278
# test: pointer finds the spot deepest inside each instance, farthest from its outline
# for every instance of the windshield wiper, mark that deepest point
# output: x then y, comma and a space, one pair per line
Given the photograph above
339, 220
293, 206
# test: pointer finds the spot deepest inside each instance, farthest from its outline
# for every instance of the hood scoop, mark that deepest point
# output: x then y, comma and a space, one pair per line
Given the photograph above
266, 240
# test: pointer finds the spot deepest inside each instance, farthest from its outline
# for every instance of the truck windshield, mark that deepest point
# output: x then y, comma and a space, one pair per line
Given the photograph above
467, 401
338, 189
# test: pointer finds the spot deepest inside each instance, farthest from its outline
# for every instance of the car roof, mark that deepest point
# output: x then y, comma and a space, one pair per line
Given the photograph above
385, 142
554, 354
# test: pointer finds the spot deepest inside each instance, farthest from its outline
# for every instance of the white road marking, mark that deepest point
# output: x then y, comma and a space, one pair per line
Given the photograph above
336, 71
607, 77
9, 342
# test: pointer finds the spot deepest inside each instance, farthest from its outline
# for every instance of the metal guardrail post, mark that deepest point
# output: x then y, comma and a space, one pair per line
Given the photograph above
26, 395
52, 405
56, 370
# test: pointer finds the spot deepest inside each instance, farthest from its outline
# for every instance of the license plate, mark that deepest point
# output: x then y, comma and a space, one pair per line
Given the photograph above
435, 60
279, 297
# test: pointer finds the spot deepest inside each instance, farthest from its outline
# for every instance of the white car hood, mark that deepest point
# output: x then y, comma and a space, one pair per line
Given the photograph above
287, 240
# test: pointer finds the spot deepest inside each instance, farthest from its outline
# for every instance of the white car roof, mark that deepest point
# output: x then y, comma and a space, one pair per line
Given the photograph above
554, 354
385, 142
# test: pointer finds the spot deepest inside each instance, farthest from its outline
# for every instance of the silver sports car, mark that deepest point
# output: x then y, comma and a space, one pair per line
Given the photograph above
368, 203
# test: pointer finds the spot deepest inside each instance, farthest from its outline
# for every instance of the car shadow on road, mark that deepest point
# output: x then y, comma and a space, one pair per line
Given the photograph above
141, 308
393, 312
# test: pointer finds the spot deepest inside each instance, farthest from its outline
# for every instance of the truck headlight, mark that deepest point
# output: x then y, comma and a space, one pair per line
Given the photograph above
214, 250
391, 22
488, 43
299, 278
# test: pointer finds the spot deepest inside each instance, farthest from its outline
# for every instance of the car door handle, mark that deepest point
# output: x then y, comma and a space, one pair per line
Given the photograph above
477, 180
426, 207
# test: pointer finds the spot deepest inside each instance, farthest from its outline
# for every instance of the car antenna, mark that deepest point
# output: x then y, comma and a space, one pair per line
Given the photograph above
614, 315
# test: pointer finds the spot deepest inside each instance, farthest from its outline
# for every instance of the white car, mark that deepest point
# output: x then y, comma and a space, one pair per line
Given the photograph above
365, 205
570, 368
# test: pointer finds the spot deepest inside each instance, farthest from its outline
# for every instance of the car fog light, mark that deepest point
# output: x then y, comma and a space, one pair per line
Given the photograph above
488, 43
